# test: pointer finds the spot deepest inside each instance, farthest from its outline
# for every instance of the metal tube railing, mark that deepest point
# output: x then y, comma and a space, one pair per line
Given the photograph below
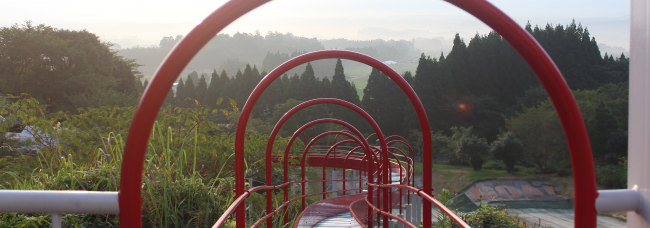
35, 201
59, 202
426, 197
247, 193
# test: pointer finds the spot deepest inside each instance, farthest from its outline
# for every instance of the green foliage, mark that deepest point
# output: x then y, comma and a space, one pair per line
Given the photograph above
484, 217
474, 148
508, 150
187, 174
386, 102
482, 82
64, 69
487, 216
538, 129
469, 149
612, 176
443, 146
10, 220
541, 134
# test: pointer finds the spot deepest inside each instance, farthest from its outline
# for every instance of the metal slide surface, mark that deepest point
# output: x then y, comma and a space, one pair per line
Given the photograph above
334, 212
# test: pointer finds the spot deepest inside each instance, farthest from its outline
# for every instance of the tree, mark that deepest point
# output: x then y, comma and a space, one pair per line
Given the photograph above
308, 84
342, 88
474, 148
541, 134
201, 89
64, 69
507, 149
189, 91
385, 101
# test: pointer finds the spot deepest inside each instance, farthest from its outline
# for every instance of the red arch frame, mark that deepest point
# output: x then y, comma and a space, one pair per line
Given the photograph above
285, 162
332, 149
306, 150
129, 196
266, 81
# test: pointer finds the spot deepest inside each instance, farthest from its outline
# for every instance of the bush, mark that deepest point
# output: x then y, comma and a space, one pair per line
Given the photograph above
494, 165
612, 175
508, 150
483, 217
475, 149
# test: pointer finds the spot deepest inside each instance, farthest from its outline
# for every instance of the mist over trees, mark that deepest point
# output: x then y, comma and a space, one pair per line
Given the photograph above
232, 52
482, 99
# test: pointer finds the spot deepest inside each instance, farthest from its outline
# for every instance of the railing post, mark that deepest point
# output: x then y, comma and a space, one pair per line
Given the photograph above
639, 109
56, 220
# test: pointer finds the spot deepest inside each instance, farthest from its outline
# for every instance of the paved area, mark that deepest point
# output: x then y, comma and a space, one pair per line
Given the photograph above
513, 190
559, 218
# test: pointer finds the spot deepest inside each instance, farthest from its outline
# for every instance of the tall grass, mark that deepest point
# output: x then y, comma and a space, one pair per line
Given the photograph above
187, 179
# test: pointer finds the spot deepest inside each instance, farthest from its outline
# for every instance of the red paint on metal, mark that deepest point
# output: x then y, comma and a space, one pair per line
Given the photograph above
306, 150
277, 72
549, 75
332, 148
129, 196
281, 122
429, 198
271, 140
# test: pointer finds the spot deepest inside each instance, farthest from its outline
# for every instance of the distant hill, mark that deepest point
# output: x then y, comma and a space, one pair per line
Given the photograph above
233, 52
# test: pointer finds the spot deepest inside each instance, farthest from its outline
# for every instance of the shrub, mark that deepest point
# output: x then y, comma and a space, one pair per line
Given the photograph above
508, 150
475, 149
612, 175
483, 217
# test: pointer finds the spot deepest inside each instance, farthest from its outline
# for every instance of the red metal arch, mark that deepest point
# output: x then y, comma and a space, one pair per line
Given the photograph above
528, 48
411, 155
333, 148
306, 150
285, 162
277, 72
264, 84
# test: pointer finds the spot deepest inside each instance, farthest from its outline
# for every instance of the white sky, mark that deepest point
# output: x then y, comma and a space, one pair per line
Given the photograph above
144, 22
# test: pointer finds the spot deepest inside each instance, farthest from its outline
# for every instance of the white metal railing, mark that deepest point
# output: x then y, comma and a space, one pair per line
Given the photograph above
618, 200
58, 202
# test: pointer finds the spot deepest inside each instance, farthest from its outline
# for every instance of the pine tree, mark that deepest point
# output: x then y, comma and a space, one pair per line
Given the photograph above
201, 90
308, 84
384, 100
340, 87
189, 92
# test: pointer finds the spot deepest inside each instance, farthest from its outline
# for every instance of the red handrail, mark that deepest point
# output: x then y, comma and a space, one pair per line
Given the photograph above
429, 198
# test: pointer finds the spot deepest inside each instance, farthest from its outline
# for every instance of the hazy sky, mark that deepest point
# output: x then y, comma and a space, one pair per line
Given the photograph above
145, 22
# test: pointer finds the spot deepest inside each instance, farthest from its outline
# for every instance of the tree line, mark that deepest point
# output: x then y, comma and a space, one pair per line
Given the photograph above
485, 105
